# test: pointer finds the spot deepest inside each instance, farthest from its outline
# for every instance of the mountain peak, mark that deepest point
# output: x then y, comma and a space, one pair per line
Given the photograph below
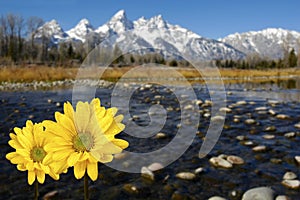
80, 31
158, 21
119, 22
84, 21
121, 14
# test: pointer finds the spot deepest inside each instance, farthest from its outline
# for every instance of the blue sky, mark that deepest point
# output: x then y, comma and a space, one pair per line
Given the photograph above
208, 18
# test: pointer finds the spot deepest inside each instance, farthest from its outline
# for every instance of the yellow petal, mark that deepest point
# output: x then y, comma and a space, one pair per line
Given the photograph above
17, 159
82, 116
66, 122
24, 141
18, 131
39, 137
40, 176
13, 136
113, 111
109, 148
23, 152
73, 158
21, 167
63, 154
69, 111
31, 177
79, 169
106, 158
84, 156
115, 128
30, 166
15, 144
92, 170
47, 159
11, 155
120, 143
54, 175
119, 118
106, 121
57, 130
46, 169
55, 145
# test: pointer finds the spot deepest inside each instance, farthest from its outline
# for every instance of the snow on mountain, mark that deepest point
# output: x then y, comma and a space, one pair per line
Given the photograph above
155, 33
171, 39
270, 43
53, 31
116, 25
80, 31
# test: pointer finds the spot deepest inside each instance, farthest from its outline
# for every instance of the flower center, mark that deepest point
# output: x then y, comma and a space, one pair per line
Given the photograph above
38, 154
83, 142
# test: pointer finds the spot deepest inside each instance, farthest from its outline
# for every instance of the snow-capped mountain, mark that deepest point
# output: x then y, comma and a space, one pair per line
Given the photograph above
155, 33
80, 31
270, 43
53, 31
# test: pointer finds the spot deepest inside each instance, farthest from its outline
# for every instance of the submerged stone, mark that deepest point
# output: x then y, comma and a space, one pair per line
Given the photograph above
259, 193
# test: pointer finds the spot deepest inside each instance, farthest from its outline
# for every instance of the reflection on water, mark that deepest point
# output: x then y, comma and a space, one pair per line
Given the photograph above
281, 89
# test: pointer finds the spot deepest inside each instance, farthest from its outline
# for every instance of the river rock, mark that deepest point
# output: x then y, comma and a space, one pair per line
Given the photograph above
130, 189
186, 175
241, 103
236, 120
216, 198
248, 143
235, 160
272, 112
282, 197
198, 102
259, 193
270, 129
290, 135
273, 102
261, 108
282, 116
217, 118
297, 158
241, 137
225, 109
293, 184
155, 166
259, 148
289, 176
146, 173
51, 195
250, 121
297, 125
160, 136
268, 137
199, 170
206, 115
220, 162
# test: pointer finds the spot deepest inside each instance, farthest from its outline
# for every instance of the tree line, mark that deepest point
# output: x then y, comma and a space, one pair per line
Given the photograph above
19, 46
289, 60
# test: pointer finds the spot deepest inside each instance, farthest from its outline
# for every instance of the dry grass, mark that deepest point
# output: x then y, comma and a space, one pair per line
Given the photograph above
43, 73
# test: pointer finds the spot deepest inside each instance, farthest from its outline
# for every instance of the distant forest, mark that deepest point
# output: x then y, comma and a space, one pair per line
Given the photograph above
18, 46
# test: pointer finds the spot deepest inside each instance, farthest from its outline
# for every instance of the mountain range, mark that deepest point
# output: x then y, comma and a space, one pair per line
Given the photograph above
173, 39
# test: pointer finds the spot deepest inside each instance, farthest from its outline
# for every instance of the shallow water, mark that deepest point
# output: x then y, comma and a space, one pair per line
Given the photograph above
258, 169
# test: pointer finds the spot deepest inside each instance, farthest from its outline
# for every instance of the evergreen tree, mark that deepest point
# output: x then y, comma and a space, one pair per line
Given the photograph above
292, 60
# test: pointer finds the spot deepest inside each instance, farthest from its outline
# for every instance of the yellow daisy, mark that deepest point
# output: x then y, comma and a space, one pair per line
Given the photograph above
85, 137
30, 153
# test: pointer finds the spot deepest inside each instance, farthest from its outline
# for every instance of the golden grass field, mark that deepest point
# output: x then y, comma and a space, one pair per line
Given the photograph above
44, 73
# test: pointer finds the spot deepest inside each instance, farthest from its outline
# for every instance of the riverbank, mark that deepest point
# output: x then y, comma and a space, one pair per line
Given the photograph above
43, 73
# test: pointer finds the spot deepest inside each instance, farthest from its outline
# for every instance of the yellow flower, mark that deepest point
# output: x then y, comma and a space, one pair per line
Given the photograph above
30, 153
85, 137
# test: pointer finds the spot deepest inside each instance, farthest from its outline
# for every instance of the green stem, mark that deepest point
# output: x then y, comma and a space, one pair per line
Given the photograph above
86, 187
36, 190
